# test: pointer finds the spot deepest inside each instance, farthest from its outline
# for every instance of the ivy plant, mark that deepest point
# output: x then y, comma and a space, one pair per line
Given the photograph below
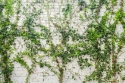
8, 32
101, 42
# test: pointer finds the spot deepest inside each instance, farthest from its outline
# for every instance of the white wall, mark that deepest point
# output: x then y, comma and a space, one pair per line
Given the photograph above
44, 75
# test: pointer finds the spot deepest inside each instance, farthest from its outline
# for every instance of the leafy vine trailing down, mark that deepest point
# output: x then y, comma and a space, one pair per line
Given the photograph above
101, 42
64, 51
61, 54
8, 33
99, 33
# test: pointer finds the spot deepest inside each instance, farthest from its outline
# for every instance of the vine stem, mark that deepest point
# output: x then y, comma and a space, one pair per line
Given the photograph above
4, 60
114, 63
61, 71
114, 57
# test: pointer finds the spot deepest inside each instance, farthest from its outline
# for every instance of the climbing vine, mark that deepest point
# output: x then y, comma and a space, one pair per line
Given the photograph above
102, 43
63, 42
7, 37
61, 53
